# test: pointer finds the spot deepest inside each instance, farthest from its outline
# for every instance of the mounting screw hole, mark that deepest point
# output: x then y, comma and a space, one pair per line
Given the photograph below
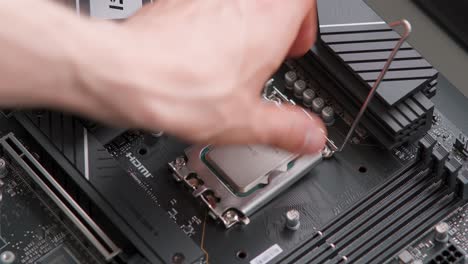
143, 151
241, 254
178, 258
362, 169
39, 113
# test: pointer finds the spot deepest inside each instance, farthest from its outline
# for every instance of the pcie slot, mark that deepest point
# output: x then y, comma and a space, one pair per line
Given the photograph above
394, 243
374, 222
364, 205
60, 197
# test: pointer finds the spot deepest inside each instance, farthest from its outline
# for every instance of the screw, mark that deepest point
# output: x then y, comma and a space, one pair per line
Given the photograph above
327, 152
179, 162
157, 134
231, 215
7, 257
178, 258
293, 219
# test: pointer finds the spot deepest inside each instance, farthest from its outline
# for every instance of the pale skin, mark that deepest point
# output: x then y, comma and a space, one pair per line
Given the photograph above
194, 68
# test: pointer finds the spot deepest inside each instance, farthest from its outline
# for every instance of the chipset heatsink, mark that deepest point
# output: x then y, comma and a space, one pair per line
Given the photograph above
235, 181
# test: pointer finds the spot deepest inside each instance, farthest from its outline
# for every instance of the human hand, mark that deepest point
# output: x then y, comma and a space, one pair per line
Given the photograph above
195, 69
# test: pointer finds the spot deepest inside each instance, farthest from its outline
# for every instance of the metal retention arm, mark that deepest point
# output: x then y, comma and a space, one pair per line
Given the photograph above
408, 29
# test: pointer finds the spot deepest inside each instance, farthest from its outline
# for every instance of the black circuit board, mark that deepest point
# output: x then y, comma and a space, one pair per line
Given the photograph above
317, 196
447, 134
361, 167
33, 229
458, 223
427, 249
185, 212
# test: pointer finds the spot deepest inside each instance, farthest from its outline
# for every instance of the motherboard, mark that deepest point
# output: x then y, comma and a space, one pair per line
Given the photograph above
76, 191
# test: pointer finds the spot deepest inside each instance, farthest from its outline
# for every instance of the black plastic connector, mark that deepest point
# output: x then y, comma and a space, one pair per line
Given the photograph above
426, 146
451, 254
462, 182
461, 144
452, 167
439, 155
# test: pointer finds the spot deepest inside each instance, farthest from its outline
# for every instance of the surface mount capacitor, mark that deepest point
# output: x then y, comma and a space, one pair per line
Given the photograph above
318, 104
299, 87
328, 115
307, 97
290, 78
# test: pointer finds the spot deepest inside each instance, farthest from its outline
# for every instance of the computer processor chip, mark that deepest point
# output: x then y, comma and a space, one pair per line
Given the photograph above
246, 167
235, 181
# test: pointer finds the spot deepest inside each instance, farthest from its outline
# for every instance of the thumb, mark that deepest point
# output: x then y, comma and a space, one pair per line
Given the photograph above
288, 127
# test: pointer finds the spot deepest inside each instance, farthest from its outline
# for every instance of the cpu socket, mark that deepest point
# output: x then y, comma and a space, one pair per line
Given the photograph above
235, 181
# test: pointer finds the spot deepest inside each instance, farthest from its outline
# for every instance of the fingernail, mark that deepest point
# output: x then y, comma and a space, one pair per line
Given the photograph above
314, 139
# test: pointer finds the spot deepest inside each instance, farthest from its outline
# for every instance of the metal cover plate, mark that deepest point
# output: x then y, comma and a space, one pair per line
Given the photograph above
244, 167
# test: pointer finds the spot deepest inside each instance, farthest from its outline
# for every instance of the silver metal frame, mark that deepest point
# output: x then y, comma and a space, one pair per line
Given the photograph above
232, 209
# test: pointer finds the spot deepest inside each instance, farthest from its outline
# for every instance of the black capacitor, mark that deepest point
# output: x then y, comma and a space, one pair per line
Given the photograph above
299, 88
290, 78
307, 97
